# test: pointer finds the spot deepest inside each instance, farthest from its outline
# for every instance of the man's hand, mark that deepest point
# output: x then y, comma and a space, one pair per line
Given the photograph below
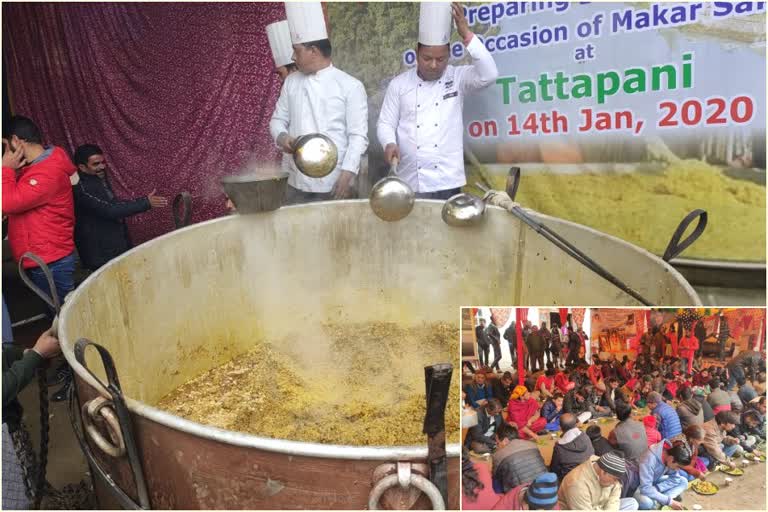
13, 159
390, 152
156, 201
675, 505
343, 186
703, 477
286, 142
47, 346
462, 26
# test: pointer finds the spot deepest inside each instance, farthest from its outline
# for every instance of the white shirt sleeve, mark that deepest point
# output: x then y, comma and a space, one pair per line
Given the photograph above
357, 127
389, 117
482, 72
280, 117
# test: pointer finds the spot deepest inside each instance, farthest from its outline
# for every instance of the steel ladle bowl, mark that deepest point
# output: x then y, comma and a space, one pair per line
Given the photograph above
315, 155
463, 210
391, 198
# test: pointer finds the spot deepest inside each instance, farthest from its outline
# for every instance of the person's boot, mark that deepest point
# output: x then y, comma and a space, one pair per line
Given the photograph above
63, 392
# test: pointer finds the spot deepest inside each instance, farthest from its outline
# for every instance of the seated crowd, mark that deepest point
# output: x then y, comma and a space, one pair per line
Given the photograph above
668, 428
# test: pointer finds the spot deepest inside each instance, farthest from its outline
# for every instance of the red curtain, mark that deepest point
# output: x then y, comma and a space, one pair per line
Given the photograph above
563, 316
177, 95
521, 315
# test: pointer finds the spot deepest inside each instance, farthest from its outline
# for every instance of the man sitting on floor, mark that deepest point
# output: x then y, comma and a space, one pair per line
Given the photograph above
667, 419
719, 446
595, 485
482, 437
660, 482
516, 461
573, 447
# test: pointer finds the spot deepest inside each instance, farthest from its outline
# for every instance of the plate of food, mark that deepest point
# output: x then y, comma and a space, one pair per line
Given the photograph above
604, 420
731, 471
705, 488
752, 456
667, 507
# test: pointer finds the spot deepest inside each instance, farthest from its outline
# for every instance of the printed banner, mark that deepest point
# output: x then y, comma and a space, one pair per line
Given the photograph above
611, 110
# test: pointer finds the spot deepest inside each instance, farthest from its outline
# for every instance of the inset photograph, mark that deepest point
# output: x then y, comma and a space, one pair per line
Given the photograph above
613, 409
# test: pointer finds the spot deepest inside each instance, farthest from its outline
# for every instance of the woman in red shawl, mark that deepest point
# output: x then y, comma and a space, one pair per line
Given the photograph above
523, 411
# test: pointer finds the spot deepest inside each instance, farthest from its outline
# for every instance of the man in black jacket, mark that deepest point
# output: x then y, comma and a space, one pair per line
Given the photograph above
483, 348
482, 437
100, 230
494, 338
510, 334
573, 447
516, 461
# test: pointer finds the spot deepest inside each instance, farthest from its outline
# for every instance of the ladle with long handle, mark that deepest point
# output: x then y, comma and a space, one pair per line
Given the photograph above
391, 198
504, 201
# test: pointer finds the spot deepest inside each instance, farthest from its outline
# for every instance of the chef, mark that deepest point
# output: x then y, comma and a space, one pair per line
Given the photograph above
421, 120
320, 98
279, 37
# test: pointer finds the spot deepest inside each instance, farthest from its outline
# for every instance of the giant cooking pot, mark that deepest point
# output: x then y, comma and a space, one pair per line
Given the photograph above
207, 289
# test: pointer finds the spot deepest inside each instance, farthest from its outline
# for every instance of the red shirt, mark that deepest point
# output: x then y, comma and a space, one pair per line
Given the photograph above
40, 208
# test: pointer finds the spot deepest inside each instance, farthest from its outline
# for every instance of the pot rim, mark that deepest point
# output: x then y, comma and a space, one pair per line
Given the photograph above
280, 445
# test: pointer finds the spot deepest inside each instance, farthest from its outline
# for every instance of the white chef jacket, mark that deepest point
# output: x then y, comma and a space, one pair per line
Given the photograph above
425, 120
330, 102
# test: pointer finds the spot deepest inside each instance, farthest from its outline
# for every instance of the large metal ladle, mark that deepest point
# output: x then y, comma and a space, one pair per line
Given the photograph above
315, 155
503, 200
463, 210
392, 198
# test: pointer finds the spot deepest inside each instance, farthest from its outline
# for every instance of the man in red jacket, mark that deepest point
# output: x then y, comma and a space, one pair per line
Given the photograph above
38, 201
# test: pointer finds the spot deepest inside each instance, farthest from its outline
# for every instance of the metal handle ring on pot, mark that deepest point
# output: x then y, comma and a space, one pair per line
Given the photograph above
103, 407
418, 481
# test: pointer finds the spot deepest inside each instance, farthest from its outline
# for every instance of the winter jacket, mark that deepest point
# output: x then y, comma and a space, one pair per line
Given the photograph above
501, 392
549, 411
713, 438
18, 371
705, 408
100, 231
744, 360
609, 402
517, 463
482, 340
668, 420
747, 393
477, 433
630, 437
493, 336
536, 342
475, 393
719, 400
570, 451
581, 490
651, 469
571, 404
40, 208
690, 412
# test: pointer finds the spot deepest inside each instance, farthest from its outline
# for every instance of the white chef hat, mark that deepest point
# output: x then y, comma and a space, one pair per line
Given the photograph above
280, 41
305, 21
435, 23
